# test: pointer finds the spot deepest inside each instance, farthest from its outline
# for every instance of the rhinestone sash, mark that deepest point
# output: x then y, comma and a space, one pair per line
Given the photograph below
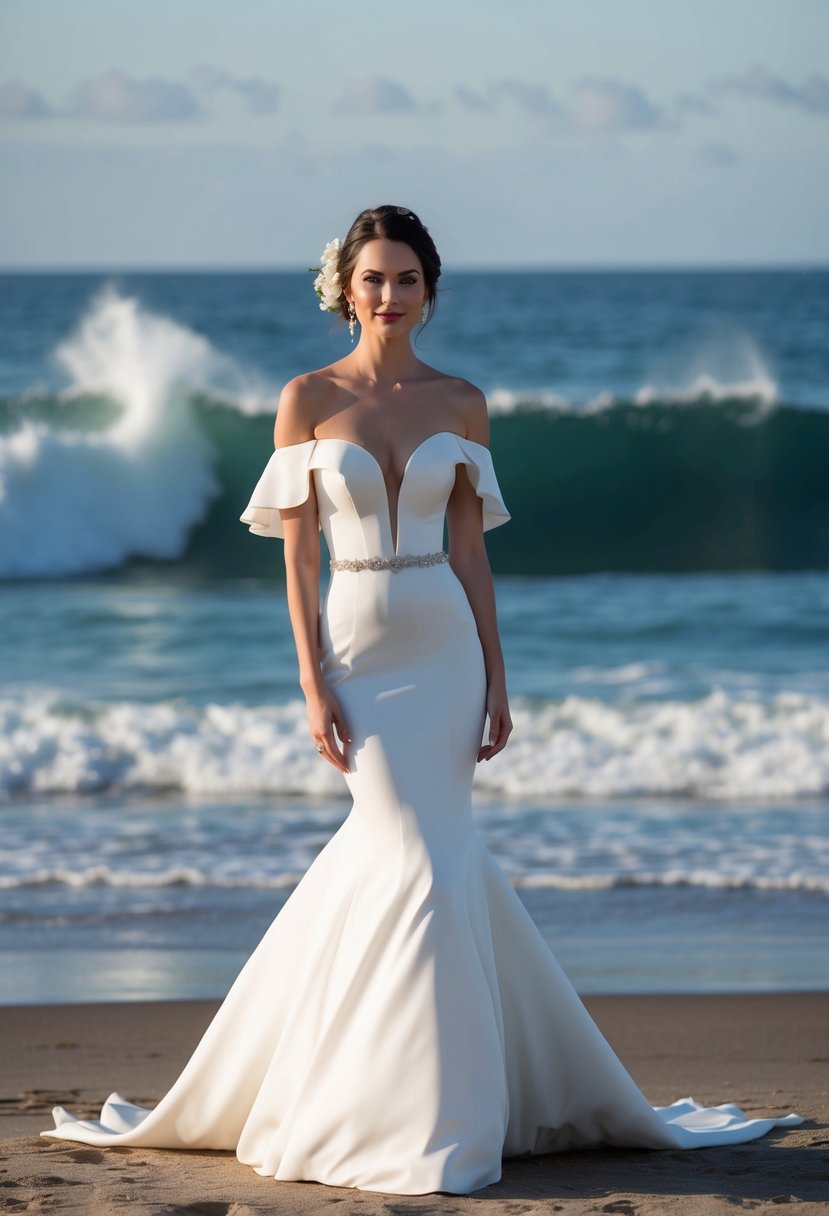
388, 563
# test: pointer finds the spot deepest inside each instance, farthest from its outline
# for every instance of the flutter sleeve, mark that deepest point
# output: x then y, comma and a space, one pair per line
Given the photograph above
481, 473
284, 483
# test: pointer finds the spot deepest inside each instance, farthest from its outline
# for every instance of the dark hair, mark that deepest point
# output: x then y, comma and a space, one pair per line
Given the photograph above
393, 224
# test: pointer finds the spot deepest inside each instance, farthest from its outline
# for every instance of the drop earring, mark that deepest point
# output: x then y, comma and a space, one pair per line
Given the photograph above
424, 312
352, 318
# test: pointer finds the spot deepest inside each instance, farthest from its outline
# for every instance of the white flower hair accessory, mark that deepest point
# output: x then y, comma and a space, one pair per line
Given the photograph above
327, 284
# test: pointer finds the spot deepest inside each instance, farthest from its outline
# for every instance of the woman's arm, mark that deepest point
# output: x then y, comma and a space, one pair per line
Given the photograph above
302, 573
469, 561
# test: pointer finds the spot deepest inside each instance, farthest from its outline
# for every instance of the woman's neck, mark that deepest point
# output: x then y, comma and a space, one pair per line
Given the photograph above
383, 363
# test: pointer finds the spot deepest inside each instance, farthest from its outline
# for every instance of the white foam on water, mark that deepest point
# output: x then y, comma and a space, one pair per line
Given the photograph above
747, 378
49, 747
191, 876
73, 501
722, 746
172, 876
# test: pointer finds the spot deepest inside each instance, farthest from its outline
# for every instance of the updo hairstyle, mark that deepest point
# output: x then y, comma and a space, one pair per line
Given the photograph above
393, 224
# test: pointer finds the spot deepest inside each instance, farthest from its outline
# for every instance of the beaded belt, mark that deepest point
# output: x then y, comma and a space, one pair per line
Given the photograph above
388, 563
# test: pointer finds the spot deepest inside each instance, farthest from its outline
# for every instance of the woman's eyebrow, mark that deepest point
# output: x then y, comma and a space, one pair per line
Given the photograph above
413, 270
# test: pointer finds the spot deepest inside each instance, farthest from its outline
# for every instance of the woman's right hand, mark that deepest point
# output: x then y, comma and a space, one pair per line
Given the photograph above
324, 714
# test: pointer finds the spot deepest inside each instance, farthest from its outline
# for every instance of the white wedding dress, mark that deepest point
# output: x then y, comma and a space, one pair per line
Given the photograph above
402, 1025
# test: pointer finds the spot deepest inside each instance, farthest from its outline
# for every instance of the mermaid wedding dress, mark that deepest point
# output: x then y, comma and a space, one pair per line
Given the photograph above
402, 1025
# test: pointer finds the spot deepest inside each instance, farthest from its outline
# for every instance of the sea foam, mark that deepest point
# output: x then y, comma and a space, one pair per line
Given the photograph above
84, 500
723, 746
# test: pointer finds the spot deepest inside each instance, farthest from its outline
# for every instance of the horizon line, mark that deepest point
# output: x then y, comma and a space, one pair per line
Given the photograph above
474, 268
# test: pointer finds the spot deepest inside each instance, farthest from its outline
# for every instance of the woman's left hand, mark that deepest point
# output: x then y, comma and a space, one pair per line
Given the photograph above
500, 722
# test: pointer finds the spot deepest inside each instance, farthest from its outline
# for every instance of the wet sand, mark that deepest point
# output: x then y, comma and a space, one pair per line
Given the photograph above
768, 1054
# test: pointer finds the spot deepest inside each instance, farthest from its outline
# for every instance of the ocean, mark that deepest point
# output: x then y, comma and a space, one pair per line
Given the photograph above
662, 441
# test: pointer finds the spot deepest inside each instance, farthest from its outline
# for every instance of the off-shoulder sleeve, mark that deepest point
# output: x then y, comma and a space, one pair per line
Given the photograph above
481, 473
284, 483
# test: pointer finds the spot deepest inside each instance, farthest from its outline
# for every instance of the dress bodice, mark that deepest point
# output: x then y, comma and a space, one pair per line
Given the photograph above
352, 496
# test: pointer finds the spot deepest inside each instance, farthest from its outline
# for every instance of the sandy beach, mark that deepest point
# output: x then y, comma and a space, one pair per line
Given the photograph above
767, 1053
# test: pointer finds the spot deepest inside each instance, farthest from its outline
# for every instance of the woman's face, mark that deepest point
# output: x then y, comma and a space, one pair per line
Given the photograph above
387, 287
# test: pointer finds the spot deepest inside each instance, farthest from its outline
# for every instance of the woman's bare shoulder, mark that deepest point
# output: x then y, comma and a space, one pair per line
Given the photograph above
463, 404
471, 404
301, 404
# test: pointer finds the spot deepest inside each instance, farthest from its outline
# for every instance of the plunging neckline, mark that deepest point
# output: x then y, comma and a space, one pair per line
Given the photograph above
394, 529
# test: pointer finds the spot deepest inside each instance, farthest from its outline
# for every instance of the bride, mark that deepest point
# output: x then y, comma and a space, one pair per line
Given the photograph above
402, 1026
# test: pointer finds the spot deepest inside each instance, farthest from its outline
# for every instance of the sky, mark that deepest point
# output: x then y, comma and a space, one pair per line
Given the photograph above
524, 133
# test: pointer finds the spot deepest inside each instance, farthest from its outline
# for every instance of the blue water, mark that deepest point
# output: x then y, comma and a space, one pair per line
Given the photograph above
663, 803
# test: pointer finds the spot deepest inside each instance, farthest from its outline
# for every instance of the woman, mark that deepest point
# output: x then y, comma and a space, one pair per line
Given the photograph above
402, 1026
382, 398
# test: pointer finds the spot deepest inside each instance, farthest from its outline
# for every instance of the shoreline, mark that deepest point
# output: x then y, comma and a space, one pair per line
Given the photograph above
766, 1052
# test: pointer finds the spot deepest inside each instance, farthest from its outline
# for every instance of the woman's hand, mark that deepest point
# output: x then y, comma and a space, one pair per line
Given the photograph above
324, 714
500, 722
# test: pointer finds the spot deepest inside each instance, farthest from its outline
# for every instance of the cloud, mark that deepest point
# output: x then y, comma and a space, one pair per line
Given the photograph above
605, 104
534, 98
758, 81
17, 100
260, 96
600, 103
118, 97
693, 104
471, 100
721, 156
373, 95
